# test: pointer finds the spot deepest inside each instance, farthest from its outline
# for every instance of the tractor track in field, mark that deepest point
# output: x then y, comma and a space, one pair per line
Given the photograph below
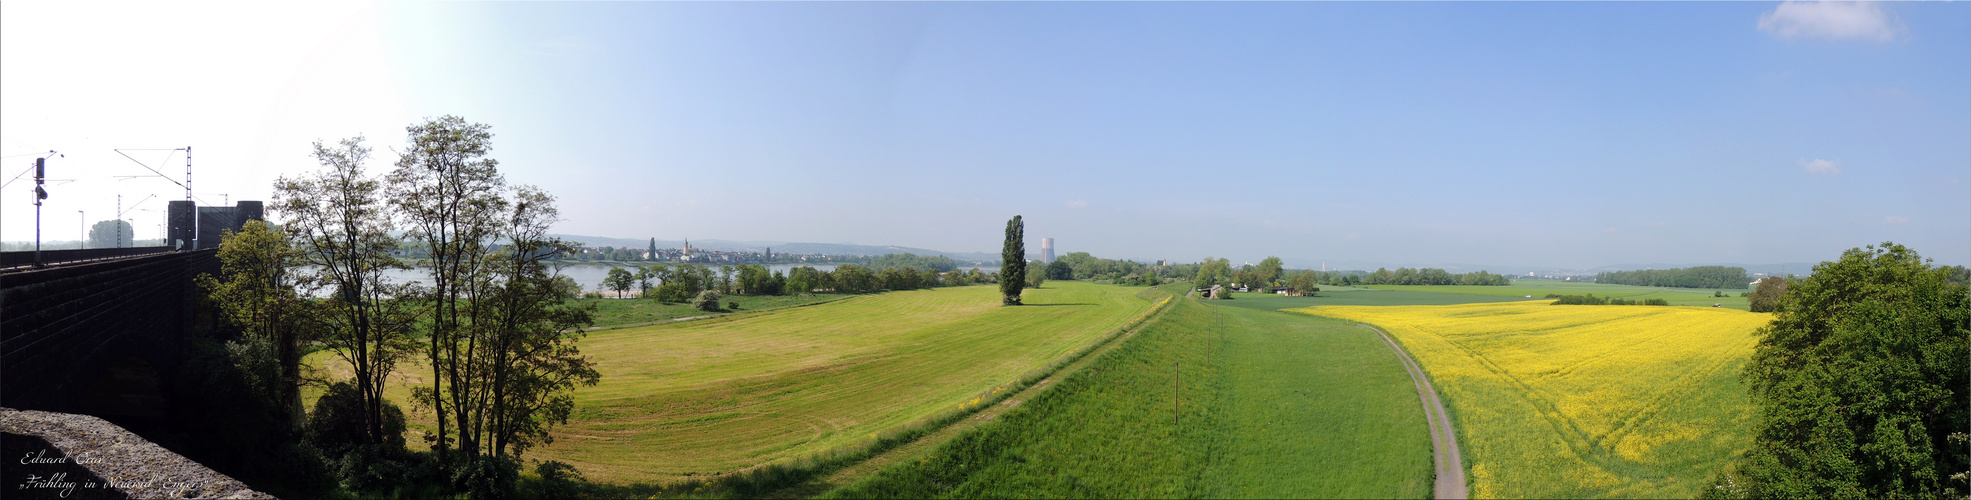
1443, 437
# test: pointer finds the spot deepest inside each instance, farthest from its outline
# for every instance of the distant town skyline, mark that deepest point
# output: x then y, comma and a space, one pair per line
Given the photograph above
1563, 135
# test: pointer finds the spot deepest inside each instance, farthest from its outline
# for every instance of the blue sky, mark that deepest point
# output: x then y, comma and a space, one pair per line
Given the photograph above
1399, 134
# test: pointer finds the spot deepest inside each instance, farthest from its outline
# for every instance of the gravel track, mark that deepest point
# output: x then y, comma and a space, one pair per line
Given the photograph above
1443, 438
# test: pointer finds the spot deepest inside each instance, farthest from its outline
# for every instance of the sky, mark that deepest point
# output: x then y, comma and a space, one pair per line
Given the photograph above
1555, 134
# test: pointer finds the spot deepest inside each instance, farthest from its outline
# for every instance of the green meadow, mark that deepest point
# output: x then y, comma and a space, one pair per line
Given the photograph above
1205, 401
713, 396
610, 312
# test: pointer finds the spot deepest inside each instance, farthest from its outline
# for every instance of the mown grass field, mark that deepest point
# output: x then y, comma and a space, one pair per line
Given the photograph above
611, 312
1207, 402
719, 395
1701, 297
1583, 401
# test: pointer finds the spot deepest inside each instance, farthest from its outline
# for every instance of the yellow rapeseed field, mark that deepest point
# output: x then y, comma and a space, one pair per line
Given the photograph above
1582, 401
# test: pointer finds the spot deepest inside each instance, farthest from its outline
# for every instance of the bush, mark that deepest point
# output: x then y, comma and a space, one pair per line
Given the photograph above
485, 477
1656, 302
1581, 300
336, 425
672, 292
733, 305
558, 480
707, 301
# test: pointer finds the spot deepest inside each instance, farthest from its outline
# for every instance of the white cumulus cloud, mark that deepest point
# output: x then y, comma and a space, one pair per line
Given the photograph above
1819, 166
1829, 20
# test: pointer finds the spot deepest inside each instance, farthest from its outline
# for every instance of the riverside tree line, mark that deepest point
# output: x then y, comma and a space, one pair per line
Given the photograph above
492, 328
703, 285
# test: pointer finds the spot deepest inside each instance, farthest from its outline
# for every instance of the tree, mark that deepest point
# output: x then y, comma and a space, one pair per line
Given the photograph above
110, 234
1267, 272
337, 218
1059, 270
1213, 272
526, 335
1303, 283
652, 255
619, 279
257, 296
450, 193
1013, 263
644, 276
1765, 298
1862, 381
1035, 279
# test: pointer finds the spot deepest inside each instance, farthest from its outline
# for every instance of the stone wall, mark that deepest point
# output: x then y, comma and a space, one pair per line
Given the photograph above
79, 456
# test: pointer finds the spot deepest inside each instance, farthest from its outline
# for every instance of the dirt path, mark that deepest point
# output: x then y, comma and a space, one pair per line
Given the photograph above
1443, 438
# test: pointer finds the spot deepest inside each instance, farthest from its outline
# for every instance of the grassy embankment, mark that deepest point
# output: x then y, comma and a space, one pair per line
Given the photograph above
686, 400
1583, 401
1203, 402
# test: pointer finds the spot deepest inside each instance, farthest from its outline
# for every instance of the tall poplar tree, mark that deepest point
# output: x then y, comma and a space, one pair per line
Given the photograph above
1013, 271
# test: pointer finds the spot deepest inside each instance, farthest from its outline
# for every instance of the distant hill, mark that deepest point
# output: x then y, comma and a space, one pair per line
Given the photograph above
966, 259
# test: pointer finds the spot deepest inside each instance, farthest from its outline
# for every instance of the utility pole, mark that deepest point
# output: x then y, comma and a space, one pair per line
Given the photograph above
40, 177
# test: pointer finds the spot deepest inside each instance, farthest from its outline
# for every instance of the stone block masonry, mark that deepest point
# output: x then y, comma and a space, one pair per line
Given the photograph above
88, 457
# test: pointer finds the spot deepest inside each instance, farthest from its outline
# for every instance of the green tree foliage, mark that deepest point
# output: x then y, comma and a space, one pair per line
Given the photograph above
1862, 380
1765, 296
1592, 300
754, 279
111, 234
1059, 270
898, 278
1429, 276
1688, 277
707, 301
1267, 273
449, 192
337, 423
914, 261
339, 220
1035, 279
501, 341
1013, 266
849, 278
1213, 272
806, 279
525, 334
257, 297
1304, 283
620, 280
1083, 266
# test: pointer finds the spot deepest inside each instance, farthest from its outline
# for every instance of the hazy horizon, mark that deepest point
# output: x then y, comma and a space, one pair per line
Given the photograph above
1557, 135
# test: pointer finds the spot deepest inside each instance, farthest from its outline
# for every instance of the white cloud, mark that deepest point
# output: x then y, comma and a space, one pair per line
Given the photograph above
1895, 221
1077, 204
1830, 20
1819, 166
